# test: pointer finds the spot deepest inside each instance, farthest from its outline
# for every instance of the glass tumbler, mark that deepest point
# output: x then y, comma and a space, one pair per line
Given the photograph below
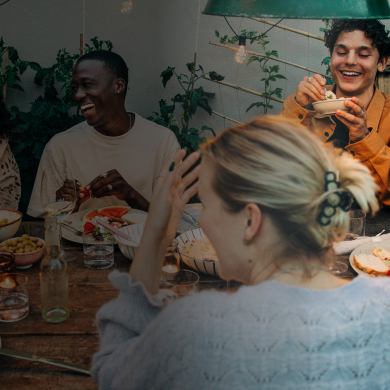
98, 251
13, 297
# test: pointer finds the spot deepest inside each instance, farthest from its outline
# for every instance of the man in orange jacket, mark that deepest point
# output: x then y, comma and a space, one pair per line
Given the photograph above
359, 49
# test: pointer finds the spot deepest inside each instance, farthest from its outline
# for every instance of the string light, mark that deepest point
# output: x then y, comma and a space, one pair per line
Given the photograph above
127, 6
241, 53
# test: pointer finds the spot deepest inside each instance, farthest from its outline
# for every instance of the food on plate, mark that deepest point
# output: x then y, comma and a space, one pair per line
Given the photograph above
4, 221
330, 95
382, 253
110, 211
88, 227
111, 214
371, 264
24, 244
114, 211
200, 248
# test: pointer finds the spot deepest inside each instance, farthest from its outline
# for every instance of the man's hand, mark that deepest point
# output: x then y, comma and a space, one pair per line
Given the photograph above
356, 120
310, 89
112, 183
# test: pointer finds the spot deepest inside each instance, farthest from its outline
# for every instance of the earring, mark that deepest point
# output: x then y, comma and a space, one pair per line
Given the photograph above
117, 91
246, 242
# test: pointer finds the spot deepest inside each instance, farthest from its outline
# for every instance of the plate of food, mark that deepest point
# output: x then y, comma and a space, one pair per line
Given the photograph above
331, 104
371, 259
197, 252
85, 221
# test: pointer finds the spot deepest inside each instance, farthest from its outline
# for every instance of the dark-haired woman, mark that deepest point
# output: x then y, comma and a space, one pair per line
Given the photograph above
10, 189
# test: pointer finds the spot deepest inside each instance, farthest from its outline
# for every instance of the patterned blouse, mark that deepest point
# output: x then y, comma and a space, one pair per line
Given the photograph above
10, 189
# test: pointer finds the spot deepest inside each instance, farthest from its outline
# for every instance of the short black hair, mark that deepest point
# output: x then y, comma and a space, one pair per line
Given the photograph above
5, 120
373, 29
112, 61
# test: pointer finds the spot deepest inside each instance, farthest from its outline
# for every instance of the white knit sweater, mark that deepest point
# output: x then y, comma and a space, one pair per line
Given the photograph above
269, 336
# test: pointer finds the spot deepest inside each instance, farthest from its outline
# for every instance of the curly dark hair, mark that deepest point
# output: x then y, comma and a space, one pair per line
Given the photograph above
5, 120
373, 29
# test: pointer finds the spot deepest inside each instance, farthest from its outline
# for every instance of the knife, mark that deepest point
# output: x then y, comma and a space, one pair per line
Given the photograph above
28, 356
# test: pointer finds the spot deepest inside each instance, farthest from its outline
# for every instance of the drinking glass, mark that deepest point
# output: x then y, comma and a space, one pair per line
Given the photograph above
357, 224
98, 251
58, 197
13, 297
183, 283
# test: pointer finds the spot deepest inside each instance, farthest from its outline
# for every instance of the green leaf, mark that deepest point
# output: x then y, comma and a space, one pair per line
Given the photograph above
258, 104
190, 66
166, 75
208, 128
217, 33
215, 76
253, 58
18, 87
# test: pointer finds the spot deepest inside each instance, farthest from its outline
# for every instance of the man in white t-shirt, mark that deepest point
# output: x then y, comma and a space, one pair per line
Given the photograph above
115, 155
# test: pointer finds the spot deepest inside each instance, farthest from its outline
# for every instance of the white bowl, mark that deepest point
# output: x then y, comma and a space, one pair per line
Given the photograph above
134, 231
329, 107
14, 219
207, 267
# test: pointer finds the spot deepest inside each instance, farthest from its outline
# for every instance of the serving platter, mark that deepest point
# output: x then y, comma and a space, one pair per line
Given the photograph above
75, 221
136, 216
367, 249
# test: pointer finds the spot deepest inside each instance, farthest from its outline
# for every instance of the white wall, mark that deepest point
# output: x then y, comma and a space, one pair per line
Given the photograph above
156, 34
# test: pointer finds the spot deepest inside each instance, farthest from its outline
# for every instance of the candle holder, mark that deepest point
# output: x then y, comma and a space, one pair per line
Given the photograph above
7, 262
13, 297
171, 266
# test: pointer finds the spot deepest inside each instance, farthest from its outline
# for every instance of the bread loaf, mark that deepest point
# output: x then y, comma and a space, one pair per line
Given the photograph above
371, 264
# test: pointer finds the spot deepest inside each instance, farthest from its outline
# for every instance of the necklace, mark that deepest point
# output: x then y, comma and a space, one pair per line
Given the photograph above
296, 268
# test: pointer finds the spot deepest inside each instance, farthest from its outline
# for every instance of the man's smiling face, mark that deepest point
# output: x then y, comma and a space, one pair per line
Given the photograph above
354, 64
94, 88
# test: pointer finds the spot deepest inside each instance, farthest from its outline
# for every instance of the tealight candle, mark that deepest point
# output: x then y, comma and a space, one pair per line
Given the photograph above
7, 282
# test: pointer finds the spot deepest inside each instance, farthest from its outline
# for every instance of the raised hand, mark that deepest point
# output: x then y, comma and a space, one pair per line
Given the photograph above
310, 89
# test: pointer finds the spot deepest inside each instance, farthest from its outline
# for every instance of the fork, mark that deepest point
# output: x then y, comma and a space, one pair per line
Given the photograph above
77, 232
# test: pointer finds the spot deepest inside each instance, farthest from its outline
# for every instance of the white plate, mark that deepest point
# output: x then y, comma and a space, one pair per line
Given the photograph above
137, 216
367, 249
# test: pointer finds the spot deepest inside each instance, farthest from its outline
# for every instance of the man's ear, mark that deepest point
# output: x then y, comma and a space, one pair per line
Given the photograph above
253, 220
382, 63
120, 85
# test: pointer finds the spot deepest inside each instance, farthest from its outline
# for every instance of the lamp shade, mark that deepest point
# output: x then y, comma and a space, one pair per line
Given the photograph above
301, 9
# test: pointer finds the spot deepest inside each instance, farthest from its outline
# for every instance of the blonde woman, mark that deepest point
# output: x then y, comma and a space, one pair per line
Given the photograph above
274, 201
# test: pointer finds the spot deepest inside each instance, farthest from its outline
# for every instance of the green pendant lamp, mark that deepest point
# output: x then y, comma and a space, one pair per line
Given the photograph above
301, 9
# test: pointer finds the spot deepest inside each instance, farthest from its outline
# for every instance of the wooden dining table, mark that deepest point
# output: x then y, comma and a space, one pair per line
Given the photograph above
75, 340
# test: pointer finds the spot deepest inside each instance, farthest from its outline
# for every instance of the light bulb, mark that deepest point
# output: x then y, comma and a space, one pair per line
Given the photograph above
241, 53
127, 6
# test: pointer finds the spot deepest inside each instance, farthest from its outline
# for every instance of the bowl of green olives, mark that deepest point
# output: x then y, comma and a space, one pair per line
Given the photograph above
27, 250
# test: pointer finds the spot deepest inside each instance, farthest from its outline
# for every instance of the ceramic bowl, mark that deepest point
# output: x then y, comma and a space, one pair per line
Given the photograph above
329, 107
207, 267
134, 231
26, 260
14, 219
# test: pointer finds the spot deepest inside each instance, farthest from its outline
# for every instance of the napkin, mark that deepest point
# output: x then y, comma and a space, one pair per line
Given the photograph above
346, 247
134, 231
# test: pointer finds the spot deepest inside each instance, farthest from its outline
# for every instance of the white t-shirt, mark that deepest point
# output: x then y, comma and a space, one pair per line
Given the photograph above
138, 156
